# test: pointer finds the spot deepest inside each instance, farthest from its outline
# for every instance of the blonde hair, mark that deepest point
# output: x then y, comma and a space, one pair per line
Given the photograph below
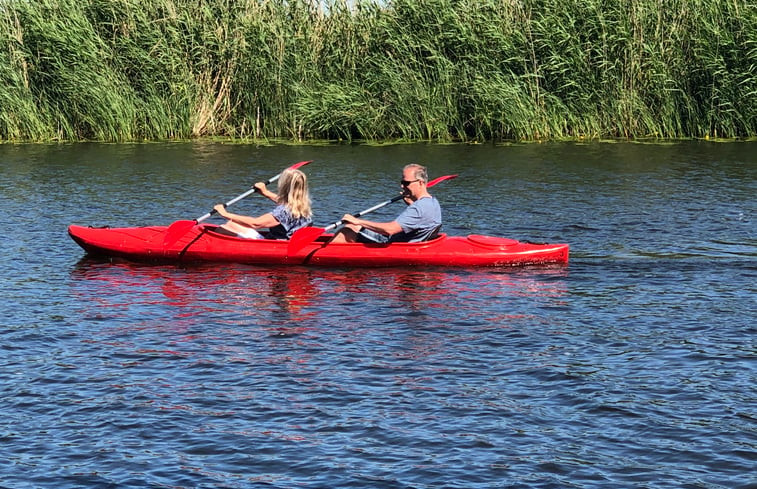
294, 194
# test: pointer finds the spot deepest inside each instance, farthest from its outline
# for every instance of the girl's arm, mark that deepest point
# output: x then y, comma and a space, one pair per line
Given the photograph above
265, 192
265, 221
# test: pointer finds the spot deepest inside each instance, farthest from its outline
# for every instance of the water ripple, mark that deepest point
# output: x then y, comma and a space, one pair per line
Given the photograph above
633, 366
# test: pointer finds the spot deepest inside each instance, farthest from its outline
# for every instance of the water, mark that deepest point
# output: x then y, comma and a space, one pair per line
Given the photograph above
632, 367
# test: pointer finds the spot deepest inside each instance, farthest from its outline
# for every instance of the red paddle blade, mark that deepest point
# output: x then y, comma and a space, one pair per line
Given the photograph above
303, 237
176, 230
301, 163
440, 179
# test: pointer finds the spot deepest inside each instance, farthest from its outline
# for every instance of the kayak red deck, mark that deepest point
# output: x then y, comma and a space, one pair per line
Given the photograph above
202, 244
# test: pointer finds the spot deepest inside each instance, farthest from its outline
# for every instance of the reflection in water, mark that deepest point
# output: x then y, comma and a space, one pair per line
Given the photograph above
317, 330
247, 292
214, 314
289, 301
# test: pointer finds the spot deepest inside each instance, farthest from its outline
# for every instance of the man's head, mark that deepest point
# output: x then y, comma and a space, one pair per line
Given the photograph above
415, 172
414, 179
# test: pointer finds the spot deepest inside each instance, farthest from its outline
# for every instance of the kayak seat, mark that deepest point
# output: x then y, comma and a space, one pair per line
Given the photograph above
434, 234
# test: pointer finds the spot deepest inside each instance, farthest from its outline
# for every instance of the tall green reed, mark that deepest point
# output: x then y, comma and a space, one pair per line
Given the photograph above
405, 69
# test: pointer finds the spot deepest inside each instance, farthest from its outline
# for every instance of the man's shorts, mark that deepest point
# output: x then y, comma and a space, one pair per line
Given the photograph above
368, 236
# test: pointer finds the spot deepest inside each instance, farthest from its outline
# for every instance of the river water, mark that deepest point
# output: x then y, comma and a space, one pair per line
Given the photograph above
633, 366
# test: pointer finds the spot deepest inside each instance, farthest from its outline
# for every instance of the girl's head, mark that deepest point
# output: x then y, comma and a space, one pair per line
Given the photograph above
293, 193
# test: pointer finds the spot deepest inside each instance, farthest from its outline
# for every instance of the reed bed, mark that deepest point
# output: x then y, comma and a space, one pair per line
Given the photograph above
443, 70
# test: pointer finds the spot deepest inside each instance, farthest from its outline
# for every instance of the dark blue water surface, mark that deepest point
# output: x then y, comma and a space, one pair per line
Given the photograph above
633, 366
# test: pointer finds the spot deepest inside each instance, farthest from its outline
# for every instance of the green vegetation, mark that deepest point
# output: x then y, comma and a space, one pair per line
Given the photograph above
442, 70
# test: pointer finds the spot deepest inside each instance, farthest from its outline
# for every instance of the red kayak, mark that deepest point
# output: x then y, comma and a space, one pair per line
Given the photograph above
202, 244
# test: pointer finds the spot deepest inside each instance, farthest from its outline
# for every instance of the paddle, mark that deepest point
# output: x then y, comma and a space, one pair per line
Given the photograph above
304, 236
179, 228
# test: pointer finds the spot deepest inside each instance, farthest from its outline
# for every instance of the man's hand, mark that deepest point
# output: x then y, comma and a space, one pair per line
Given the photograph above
350, 219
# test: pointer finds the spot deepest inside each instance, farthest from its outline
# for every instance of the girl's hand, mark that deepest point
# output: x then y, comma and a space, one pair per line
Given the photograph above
220, 209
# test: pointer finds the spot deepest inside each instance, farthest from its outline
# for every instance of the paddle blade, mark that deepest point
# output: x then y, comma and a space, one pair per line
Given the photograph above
303, 237
301, 163
176, 230
440, 179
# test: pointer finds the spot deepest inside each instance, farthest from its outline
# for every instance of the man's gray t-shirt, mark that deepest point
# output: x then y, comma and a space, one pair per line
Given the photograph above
419, 220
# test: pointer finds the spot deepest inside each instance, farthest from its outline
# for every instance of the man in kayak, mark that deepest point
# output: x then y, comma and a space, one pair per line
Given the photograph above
292, 212
420, 220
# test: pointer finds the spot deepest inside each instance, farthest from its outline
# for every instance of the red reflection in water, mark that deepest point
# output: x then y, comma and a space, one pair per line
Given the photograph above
216, 314
298, 297
189, 291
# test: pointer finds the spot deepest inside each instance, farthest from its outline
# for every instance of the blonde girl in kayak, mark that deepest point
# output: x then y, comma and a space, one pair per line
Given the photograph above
292, 212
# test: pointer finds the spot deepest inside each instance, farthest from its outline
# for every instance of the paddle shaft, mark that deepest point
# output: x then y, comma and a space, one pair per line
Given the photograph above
362, 213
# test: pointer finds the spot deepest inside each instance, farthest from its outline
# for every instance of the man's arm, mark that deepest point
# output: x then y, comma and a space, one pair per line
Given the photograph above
385, 228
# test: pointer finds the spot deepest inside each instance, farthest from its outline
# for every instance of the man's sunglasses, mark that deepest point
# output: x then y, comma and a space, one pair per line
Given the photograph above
406, 183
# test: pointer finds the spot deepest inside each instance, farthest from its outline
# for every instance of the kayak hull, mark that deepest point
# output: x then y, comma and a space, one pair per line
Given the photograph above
202, 244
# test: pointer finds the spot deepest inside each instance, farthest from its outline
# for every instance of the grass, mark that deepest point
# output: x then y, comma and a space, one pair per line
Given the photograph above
434, 70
